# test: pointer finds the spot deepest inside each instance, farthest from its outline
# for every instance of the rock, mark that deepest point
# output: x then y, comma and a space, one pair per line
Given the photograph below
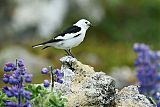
100, 89
44, 20
128, 78
130, 97
83, 87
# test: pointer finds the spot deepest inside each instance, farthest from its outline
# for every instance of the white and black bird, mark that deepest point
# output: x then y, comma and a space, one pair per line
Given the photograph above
68, 39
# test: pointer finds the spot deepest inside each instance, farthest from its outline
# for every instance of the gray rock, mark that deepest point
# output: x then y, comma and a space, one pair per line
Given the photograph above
84, 87
130, 97
100, 89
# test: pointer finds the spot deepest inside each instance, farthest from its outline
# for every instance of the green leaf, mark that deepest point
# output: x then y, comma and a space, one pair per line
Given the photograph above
41, 97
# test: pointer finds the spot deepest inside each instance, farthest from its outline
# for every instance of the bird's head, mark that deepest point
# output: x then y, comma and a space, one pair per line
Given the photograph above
83, 23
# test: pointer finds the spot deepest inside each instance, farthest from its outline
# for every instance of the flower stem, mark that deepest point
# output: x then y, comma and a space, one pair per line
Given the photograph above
16, 63
19, 85
19, 96
52, 79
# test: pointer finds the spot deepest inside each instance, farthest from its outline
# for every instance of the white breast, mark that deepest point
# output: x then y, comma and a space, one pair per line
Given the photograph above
70, 43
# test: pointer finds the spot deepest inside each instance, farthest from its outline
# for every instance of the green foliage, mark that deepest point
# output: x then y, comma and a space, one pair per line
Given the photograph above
42, 97
54, 100
3, 98
136, 20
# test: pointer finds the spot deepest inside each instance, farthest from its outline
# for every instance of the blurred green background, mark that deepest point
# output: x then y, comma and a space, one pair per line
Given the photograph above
118, 24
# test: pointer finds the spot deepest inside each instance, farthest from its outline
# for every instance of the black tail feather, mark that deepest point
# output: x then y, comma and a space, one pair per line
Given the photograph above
45, 47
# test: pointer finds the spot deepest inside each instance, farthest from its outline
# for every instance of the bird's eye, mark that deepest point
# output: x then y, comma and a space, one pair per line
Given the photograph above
86, 22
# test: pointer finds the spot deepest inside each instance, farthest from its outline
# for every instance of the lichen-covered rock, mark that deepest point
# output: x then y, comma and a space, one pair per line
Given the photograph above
130, 97
100, 89
83, 87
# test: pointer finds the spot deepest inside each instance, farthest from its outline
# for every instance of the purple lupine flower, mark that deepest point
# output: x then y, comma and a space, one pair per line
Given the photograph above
46, 83
7, 91
140, 47
5, 88
20, 63
6, 75
10, 91
26, 94
13, 81
158, 104
16, 74
5, 80
16, 80
56, 76
59, 80
9, 67
27, 104
14, 90
27, 77
59, 73
10, 104
146, 72
147, 65
59, 76
28, 80
22, 70
44, 71
157, 97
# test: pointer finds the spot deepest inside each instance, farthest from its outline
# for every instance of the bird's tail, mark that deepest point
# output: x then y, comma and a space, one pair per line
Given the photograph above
43, 44
39, 45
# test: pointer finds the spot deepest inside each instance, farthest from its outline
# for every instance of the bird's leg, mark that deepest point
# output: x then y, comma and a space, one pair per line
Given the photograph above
67, 52
70, 53
69, 64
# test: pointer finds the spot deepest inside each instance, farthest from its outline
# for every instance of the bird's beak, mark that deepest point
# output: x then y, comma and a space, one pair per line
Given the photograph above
90, 25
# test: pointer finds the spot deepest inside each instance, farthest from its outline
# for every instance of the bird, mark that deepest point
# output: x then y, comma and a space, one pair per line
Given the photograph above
69, 38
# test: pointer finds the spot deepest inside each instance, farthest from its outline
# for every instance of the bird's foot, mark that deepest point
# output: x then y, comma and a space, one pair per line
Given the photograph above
68, 52
72, 56
69, 55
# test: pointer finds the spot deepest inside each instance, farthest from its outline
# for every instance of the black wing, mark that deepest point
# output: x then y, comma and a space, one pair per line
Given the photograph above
49, 41
72, 29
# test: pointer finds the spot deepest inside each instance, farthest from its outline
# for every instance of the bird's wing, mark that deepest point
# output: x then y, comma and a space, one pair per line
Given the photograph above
71, 32
46, 42
68, 33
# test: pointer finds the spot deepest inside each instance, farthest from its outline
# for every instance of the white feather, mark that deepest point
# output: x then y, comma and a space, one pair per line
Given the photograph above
68, 36
37, 46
